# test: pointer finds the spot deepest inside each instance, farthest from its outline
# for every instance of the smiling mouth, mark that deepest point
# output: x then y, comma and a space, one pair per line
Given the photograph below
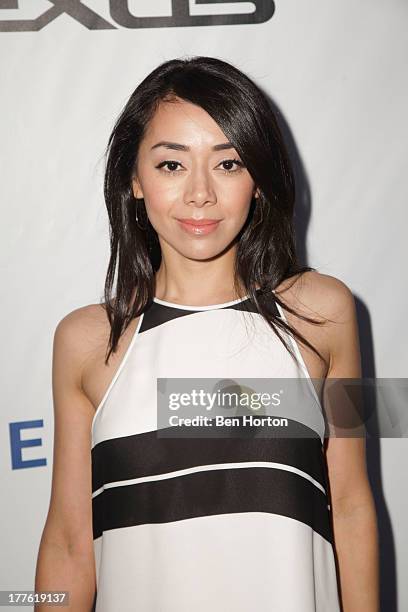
199, 222
201, 227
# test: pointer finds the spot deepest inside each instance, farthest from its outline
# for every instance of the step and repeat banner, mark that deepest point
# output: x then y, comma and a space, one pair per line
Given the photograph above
336, 71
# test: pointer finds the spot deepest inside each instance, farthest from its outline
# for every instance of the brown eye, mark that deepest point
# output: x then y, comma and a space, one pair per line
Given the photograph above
232, 161
169, 162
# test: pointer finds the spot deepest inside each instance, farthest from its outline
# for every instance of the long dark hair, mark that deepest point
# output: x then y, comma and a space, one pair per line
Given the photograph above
265, 254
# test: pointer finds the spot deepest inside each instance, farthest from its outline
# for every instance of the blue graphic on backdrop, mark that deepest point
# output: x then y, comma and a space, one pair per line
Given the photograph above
17, 445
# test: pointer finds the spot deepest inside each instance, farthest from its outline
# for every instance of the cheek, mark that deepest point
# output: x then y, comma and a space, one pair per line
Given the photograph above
237, 193
159, 194
237, 210
157, 188
157, 211
159, 199
160, 209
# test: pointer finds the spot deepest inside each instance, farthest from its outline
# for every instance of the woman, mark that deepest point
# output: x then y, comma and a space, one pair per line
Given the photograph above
200, 197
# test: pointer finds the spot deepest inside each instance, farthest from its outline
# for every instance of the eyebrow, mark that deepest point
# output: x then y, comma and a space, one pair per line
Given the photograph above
180, 147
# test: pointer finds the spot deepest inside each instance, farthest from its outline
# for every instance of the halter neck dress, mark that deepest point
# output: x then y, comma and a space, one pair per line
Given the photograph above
221, 524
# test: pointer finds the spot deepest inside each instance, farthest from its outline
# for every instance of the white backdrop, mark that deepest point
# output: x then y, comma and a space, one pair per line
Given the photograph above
335, 70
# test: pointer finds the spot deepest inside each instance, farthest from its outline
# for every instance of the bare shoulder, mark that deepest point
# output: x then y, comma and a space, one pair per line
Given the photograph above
81, 319
80, 348
328, 300
78, 335
318, 294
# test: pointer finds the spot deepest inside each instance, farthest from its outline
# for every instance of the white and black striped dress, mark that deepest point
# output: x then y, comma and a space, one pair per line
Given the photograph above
208, 524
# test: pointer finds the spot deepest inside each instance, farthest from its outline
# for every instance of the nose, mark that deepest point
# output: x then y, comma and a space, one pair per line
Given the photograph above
199, 190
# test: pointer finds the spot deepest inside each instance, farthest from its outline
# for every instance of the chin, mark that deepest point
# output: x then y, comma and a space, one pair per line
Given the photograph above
206, 253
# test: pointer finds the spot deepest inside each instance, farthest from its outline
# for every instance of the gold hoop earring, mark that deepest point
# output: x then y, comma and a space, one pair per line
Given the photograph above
137, 217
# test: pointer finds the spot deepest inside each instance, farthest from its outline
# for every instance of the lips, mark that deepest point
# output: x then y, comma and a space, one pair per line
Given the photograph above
199, 222
198, 227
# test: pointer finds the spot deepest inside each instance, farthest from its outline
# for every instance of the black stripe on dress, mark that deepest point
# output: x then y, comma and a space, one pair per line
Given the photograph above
212, 492
146, 454
157, 313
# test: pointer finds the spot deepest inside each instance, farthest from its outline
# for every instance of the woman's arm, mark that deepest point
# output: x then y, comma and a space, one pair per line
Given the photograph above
66, 557
353, 510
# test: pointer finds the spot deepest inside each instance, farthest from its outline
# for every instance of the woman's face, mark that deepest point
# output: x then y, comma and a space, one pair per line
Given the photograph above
184, 173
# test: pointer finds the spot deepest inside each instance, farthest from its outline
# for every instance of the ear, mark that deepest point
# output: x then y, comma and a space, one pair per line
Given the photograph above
137, 190
256, 193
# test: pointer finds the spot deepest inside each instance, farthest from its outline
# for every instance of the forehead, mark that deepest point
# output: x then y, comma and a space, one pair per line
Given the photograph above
183, 122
